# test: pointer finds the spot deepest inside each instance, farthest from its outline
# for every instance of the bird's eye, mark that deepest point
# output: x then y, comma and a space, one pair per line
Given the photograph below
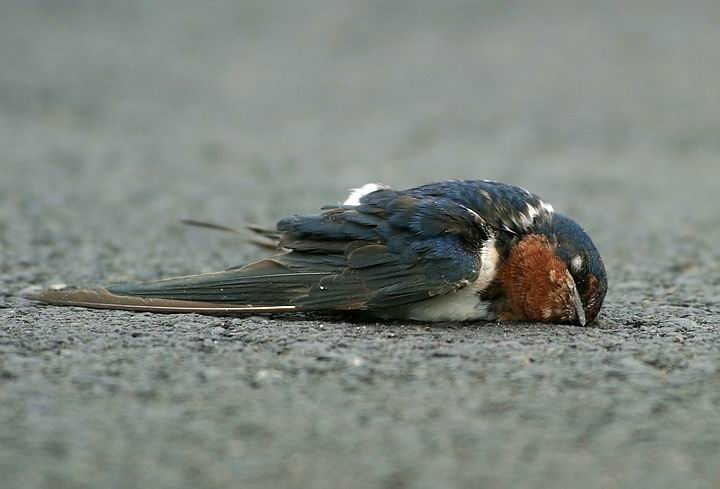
576, 264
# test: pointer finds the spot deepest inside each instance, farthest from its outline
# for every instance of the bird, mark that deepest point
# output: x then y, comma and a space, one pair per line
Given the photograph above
449, 251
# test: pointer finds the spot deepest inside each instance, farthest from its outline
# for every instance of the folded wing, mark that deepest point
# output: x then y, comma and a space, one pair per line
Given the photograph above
391, 250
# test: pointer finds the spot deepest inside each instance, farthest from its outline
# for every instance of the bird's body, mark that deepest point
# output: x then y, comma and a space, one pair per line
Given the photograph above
447, 251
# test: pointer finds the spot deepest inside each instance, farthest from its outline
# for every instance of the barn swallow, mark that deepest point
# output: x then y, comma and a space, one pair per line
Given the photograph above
447, 251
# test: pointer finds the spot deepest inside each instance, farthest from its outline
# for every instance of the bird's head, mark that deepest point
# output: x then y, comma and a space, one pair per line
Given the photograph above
554, 275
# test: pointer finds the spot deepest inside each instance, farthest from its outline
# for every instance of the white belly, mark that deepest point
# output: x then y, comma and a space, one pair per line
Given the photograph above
463, 305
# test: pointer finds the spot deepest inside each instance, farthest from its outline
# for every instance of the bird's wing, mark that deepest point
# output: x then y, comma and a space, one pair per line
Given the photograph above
395, 249
391, 250
374, 278
104, 299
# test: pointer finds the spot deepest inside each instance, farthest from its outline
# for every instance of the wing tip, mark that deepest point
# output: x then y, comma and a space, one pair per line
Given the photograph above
103, 299
66, 296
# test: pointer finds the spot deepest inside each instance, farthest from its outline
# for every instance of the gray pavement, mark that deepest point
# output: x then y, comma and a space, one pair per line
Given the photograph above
118, 119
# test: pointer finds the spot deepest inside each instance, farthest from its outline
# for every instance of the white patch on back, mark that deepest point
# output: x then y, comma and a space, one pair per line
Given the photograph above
532, 212
548, 208
525, 219
463, 304
358, 193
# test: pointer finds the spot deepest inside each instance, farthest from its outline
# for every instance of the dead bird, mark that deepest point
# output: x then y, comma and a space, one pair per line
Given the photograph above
460, 250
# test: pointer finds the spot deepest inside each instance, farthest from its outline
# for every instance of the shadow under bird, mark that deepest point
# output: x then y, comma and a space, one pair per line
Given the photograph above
447, 251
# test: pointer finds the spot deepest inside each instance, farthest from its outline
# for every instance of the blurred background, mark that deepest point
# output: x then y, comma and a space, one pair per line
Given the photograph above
119, 118
238, 111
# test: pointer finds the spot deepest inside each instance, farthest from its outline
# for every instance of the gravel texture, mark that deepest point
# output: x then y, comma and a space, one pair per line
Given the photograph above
118, 119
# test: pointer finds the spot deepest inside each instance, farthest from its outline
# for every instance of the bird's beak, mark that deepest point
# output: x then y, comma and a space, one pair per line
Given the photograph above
577, 303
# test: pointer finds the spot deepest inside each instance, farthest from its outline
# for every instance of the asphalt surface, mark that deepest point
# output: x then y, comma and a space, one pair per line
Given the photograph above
118, 119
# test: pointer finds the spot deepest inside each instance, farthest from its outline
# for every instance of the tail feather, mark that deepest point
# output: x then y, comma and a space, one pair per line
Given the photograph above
268, 239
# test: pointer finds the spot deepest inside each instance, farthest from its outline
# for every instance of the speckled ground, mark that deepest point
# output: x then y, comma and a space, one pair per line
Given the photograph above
118, 119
